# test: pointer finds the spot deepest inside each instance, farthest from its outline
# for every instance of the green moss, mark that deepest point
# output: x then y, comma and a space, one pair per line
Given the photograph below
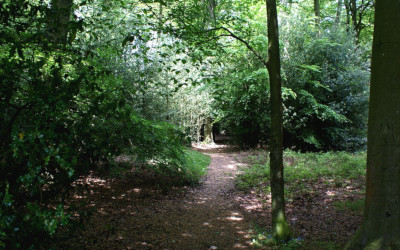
282, 231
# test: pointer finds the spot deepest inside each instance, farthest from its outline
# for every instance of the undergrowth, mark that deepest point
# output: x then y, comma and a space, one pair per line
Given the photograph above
355, 206
304, 173
262, 237
300, 168
196, 164
190, 172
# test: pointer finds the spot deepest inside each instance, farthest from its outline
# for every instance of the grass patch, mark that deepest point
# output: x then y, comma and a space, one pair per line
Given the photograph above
189, 170
312, 166
252, 177
306, 176
196, 164
262, 238
356, 206
300, 168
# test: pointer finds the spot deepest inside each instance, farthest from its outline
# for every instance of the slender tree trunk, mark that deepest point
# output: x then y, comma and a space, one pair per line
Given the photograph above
348, 18
338, 11
160, 19
317, 10
280, 228
58, 18
211, 9
381, 223
354, 18
199, 128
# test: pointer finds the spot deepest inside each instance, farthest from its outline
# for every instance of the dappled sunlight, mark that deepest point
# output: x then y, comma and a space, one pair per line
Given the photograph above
93, 181
79, 196
235, 217
145, 244
102, 211
137, 215
135, 190
252, 203
240, 246
232, 166
331, 193
210, 146
187, 235
207, 224
201, 202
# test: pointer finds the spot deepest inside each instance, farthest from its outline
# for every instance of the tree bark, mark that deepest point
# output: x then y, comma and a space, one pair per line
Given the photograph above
381, 222
58, 20
346, 4
338, 11
317, 10
354, 14
211, 9
208, 130
280, 228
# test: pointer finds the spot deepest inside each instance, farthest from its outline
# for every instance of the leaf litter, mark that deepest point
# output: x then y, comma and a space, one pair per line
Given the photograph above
135, 213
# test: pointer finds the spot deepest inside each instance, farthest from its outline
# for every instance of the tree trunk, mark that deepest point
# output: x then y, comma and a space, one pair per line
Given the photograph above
356, 11
347, 5
317, 10
354, 19
208, 131
280, 228
381, 223
211, 9
160, 19
58, 20
338, 11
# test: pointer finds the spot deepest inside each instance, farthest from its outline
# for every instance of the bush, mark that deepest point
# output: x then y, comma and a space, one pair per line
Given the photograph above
327, 84
62, 112
242, 104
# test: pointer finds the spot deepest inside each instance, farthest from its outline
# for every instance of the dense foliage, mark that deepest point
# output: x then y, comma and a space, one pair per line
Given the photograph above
325, 77
65, 108
327, 89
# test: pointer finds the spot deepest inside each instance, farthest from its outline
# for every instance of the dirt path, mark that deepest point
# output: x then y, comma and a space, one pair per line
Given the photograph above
210, 216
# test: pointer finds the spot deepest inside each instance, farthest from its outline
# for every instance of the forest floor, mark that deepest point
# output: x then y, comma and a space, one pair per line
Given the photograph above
132, 213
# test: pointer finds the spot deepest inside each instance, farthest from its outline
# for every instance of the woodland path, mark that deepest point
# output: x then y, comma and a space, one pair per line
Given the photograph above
211, 216
133, 213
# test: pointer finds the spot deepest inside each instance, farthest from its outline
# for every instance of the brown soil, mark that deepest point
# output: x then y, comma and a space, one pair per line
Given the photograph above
131, 213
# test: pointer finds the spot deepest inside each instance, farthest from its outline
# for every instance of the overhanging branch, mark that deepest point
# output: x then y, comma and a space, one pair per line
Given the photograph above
231, 34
